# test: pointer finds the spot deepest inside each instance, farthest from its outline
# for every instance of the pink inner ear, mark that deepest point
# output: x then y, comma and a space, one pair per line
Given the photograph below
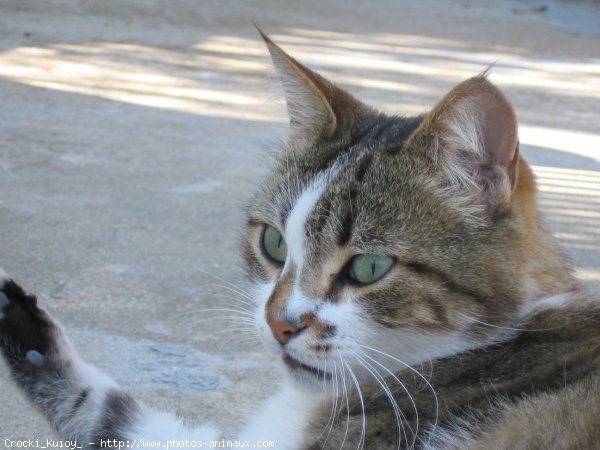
498, 132
479, 140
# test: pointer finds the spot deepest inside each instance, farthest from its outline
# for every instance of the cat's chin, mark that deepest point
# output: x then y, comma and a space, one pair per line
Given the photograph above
305, 375
296, 366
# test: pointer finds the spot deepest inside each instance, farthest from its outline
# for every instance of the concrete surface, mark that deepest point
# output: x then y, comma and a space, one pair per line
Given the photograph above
132, 132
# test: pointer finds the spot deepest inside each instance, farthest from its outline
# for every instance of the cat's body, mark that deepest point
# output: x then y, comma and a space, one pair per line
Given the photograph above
537, 390
402, 279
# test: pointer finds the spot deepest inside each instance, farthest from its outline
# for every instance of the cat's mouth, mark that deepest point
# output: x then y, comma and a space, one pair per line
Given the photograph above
296, 365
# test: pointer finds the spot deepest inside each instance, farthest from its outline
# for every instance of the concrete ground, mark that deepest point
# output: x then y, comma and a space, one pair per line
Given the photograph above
132, 132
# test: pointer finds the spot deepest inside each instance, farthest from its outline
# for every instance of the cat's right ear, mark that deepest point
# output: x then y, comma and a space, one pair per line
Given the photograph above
316, 107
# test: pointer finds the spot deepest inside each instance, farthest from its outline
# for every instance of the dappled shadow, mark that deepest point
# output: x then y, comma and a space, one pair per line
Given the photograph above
230, 71
133, 132
221, 81
570, 204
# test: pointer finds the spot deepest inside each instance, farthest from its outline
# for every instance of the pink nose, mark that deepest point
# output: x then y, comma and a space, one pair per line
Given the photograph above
282, 331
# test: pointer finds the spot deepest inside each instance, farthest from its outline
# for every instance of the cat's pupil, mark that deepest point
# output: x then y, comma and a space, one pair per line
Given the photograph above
274, 245
367, 269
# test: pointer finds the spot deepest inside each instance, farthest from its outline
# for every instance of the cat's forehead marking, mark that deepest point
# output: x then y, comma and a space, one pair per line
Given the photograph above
296, 222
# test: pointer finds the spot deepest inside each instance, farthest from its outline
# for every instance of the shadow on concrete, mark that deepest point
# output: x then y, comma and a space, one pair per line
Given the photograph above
132, 133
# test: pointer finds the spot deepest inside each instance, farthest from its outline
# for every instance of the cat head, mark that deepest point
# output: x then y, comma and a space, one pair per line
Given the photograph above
380, 239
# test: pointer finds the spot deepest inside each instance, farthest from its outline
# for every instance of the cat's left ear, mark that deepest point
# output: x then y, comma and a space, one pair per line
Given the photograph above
473, 134
317, 108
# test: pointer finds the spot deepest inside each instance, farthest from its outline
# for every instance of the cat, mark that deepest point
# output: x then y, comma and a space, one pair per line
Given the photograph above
403, 281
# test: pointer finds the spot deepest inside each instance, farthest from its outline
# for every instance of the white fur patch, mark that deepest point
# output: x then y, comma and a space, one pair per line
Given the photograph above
164, 427
284, 418
98, 381
351, 326
403, 348
262, 293
299, 304
464, 135
560, 301
296, 221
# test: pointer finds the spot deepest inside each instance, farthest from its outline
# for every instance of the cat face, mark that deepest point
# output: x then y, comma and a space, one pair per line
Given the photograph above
387, 241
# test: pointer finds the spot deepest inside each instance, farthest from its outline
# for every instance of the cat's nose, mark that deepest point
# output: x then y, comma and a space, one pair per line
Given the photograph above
283, 331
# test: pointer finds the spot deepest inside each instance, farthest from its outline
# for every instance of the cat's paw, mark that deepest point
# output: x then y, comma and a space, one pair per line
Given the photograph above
30, 339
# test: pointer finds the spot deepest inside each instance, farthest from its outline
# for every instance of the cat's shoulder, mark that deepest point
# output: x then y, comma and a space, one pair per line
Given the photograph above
564, 418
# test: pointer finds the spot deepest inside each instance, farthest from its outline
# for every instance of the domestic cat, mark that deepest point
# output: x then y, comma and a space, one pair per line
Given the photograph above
403, 281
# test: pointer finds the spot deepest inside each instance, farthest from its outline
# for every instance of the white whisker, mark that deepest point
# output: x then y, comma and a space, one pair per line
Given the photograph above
361, 441
237, 291
229, 310
397, 412
491, 325
232, 287
331, 420
347, 399
403, 386
437, 406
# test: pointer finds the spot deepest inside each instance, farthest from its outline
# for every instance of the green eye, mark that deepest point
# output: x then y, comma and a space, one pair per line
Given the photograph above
274, 244
369, 268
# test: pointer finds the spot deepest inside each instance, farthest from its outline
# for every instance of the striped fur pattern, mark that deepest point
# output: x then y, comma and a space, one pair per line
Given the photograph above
450, 348
476, 337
